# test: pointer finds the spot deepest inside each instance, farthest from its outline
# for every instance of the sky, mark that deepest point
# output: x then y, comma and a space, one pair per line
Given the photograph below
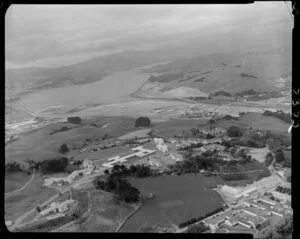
57, 35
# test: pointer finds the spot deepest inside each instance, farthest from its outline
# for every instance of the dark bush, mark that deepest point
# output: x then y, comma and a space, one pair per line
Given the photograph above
74, 120
269, 159
142, 122
223, 93
279, 156
199, 228
63, 149
234, 131
13, 167
53, 166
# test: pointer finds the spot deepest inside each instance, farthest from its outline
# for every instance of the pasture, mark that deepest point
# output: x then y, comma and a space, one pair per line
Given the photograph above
14, 181
44, 144
177, 127
257, 121
135, 134
21, 202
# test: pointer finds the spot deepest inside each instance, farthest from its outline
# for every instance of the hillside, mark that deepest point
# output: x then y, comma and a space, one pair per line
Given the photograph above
44, 143
229, 72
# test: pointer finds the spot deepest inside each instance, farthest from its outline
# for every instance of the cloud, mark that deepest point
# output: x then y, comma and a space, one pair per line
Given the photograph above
35, 33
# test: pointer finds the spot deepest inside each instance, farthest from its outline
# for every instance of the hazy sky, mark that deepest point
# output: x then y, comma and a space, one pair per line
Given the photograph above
55, 35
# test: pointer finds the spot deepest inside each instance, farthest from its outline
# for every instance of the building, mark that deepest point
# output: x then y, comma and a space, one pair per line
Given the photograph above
230, 190
281, 196
58, 215
214, 222
57, 207
138, 152
245, 193
160, 145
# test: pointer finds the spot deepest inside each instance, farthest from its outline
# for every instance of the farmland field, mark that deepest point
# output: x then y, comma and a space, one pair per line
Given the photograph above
138, 133
21, 202
44, 143
176, 127
257, 121
14, 181
105, 214
103, 154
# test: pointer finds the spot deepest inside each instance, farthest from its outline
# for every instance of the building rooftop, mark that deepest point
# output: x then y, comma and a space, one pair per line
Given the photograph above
216, 219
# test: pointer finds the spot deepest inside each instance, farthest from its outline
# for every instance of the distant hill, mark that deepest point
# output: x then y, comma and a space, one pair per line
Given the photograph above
33, 78
228, 72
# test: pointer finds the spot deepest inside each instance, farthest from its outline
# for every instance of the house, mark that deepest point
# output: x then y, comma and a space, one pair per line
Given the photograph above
231, 190
58, 215
57, 207
216, 221
281, 196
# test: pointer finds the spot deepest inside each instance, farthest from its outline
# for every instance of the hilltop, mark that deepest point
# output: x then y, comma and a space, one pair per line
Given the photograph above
224, 74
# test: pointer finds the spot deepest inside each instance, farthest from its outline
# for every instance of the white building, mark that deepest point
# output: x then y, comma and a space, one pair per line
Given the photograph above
57, 207
58, 215
230, 190
281, 196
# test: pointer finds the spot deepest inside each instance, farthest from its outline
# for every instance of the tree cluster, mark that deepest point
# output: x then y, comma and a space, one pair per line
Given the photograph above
279, 156
63, 149
116, 181
234, 131
283, 229
142, 122
269, 159
13, 167
223, 93
74, 120
199, 228
284, 190
279, 115
194, 220
52, 166
123, 190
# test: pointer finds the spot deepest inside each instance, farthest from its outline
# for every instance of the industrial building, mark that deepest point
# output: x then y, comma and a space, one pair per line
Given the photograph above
281, 196
139, 152
88, 168
57, 207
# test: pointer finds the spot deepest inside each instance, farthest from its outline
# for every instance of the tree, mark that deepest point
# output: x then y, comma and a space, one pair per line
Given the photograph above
142, 122
38, 209
63, 149
106, 171
279, 156
234, 131
197, 228
269, 159
74, 120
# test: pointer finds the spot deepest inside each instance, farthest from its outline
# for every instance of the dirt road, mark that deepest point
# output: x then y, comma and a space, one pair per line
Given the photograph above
18, 190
